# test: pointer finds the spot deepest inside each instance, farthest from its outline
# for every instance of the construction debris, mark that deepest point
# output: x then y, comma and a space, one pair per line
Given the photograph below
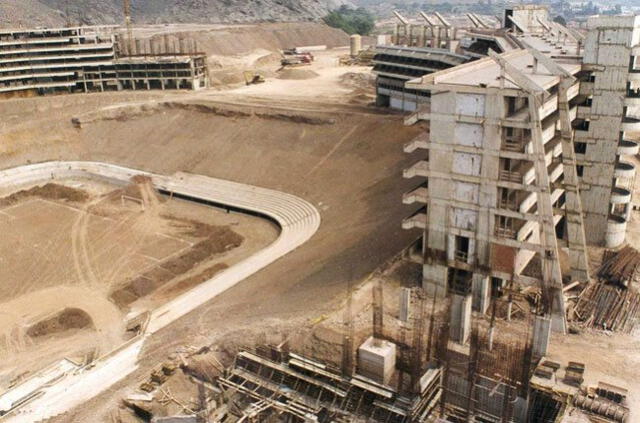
607, 307
306, 389
621, 267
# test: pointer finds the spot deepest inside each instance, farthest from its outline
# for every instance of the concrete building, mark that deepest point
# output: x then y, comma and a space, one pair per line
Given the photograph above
436, 44
83, 59
48, 60
498, 170
395, 65
608, 114
519, 143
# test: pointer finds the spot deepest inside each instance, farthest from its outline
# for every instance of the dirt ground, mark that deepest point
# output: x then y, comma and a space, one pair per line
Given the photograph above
331, 148
76, 258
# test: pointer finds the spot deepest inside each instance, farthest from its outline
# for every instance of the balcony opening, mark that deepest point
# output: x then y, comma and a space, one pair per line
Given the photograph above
508, 198
505, 227
513, 139
509, 170
459, 281
632, 92
582, 125
561, 228
497, 286
580, 147
619, 210
462, 248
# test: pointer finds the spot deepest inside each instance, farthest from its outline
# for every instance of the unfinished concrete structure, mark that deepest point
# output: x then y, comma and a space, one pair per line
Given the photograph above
503, 179
395, 65
299, 389
421, 49
498, 155
84, 59
606, 116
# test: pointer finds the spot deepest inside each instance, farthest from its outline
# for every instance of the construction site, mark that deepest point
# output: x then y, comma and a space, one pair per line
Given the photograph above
279, 222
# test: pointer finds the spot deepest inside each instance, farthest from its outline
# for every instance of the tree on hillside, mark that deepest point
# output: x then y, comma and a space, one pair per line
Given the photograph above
559, 19
351, 21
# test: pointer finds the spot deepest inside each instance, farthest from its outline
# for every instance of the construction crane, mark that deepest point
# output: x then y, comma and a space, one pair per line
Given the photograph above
127, 21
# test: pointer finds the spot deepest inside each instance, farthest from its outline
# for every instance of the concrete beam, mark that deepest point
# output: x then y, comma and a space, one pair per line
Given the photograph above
401, 18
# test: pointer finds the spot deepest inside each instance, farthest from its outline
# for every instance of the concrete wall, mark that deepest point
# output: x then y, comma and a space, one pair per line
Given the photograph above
608, 50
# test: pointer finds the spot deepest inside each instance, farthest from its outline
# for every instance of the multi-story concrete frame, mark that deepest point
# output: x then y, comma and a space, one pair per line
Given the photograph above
485, 212
394, 66
51, 59
84, 59
608, 114
495, 195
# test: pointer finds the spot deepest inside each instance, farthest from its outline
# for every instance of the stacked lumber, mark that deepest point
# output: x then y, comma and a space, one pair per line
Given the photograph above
621, 267
608, 307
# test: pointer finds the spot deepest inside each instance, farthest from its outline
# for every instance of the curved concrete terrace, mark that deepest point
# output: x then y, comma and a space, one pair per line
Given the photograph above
628, 148
298, 220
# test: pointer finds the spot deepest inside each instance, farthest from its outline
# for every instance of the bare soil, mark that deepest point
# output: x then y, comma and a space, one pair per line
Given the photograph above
50, 191
67, 319
75, 256
298, 136
297, 73
217, 239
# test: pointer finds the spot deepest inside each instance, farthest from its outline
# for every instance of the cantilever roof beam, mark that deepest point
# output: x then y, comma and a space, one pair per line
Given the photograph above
562, 29
443, 20
402, 19
544, 25
518, 78
473, 20
517, 24
548, 63
481, 22
428, 18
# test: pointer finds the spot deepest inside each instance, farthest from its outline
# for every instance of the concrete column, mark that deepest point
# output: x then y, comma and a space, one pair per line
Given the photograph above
480, 291
460, 325
166, 43
434, 280
573, 205
405, 302
541, 336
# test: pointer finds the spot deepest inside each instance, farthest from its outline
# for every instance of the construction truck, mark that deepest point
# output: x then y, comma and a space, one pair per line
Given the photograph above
252, 77
292, 59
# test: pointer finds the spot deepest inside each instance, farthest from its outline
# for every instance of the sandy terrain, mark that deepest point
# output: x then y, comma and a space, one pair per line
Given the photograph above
331, 149
97, 254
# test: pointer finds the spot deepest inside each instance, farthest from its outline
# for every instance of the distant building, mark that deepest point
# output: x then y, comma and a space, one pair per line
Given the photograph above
84, 59
394, 66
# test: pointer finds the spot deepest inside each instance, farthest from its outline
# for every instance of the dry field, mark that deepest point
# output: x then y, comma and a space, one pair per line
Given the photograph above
76, 259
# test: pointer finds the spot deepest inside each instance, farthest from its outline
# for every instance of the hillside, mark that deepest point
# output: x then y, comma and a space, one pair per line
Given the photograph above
59, 12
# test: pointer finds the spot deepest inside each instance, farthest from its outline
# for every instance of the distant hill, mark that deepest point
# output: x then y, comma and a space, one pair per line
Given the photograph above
28, 13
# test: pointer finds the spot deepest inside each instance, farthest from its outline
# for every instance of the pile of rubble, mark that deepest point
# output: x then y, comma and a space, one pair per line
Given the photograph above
620, 267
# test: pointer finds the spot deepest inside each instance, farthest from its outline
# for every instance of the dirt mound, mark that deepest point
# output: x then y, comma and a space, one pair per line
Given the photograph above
67, 319
188, 283
297, 73
49, 191
358, 80
268, 60
217, 240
